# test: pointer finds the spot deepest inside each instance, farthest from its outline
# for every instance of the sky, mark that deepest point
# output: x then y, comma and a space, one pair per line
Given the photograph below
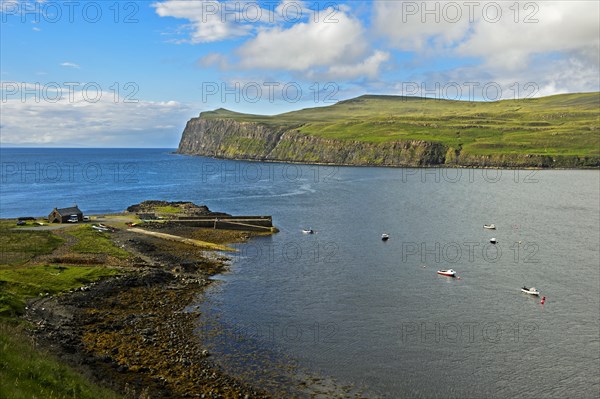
132, 73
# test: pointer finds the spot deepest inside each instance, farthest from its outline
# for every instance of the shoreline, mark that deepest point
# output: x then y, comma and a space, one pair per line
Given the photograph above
131, 331
344, 165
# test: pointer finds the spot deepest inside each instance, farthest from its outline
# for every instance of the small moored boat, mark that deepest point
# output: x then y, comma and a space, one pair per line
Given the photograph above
530, 291
493, 240
308, 231
489, 226
385, 236
449, 273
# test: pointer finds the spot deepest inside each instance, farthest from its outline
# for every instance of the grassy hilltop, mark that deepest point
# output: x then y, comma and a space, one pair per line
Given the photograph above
565, 125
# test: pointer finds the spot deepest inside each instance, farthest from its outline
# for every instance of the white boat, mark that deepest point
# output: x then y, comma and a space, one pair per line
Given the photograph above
449, 273
100, 228
493, 240
489, 226
385, 236
530, 291
309, 231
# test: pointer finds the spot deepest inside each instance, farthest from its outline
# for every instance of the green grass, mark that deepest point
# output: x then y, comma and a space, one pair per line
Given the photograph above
94, 242
26, 372
566, 124
19, 284
21, 280
167, 209
20, 246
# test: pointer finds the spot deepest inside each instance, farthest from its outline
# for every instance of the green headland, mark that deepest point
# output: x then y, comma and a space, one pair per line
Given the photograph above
556, 131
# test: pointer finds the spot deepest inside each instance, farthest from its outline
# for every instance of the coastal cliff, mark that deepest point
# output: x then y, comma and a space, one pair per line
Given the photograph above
223, 138
299, 137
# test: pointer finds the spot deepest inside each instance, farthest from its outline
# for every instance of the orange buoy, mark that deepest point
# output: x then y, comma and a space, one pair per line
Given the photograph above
543, 300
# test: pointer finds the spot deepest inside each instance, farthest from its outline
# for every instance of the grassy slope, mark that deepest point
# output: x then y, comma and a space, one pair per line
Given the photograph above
26, 372
566, 124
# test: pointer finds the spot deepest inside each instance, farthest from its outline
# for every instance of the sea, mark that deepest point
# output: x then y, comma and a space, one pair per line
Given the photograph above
341, 310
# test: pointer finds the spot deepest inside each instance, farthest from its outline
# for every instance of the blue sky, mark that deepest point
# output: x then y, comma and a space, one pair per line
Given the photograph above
148, 66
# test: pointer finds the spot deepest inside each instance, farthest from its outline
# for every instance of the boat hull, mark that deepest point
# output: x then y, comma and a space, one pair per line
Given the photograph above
446, 274
536, 293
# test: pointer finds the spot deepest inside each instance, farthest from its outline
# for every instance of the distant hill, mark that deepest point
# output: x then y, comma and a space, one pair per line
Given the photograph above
555, 131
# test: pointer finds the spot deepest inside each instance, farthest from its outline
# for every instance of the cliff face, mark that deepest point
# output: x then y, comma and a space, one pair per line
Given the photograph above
228, 138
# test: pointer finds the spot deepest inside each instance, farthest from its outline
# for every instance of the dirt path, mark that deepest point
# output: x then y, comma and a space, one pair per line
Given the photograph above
171, 237
44, 227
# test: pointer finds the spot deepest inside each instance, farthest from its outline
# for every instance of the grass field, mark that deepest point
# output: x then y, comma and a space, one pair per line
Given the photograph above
93, 242
19, 284
18, 247
23, 277
25, 371
168, 209
566, 124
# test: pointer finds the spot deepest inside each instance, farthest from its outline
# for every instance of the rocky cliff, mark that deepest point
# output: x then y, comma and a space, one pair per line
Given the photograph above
232, 139
225, 138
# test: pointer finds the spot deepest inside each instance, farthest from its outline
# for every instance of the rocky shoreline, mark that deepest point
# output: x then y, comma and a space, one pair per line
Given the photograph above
132, 333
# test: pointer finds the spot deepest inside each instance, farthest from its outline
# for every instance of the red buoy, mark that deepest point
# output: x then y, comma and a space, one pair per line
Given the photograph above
543, 300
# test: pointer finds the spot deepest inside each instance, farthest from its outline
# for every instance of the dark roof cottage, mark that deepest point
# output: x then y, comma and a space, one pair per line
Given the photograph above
62, 215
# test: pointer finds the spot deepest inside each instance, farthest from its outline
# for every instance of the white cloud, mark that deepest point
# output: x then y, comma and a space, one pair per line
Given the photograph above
74, 120
369, 67
554, 45
211, 21
305, 45
70, 65
565, 27
286, 36
336, 50
409, 26
476, 83
506, 40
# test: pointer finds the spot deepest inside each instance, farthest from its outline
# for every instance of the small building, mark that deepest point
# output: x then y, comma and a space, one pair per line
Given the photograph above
62, 215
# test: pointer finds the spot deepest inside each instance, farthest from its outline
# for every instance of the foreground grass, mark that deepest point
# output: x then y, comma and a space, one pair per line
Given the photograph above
26, 372
566, 124
94, 242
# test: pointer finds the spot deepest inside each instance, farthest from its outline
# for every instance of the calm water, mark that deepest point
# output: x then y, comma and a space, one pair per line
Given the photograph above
344, 304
